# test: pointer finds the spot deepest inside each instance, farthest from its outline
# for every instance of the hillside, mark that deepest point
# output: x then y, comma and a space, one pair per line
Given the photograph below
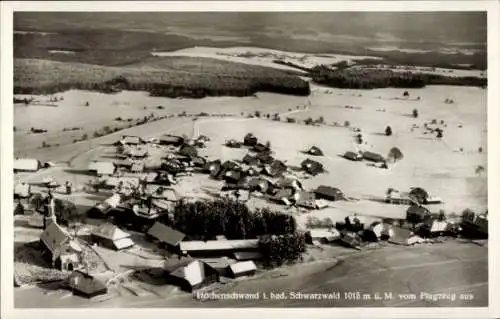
169, 77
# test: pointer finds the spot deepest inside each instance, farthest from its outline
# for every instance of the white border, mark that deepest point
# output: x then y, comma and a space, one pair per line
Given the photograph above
7, 8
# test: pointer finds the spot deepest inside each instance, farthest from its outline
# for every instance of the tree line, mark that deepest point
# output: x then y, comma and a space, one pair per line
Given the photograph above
375, 78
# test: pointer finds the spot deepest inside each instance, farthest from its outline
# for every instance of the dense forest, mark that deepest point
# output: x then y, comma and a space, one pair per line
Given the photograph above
382, 78
173, 77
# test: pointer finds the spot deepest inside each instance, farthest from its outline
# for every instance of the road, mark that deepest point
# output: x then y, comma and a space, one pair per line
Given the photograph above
454, 267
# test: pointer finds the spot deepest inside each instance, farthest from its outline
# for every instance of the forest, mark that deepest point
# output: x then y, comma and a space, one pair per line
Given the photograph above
381, 78
168, 77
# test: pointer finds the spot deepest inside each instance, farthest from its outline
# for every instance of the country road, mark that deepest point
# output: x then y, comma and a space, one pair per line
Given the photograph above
456, 267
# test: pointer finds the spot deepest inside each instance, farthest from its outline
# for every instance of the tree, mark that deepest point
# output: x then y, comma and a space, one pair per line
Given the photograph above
480, 149
479, 170
406, 94
388, 131
347, 123
415, 113
395, 154
84, 137
439, 133
308, 121
268, 145
257, 113
321, 120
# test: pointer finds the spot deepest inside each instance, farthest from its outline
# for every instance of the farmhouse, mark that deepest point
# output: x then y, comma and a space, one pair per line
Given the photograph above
305, 199
233, 144
352, 156
26, 165
259, 147
250, 160
329, 193
168, 139
166, 235
212, 167
258, 184
276, 169
131, 140
101, 209
190, 274
373, 157
402, 198
85, 285
63, 251
102, 168
378, 230
250, 140
322, 235
312, 167
315, 151
243, 268
188, 150
218, 246
111, 237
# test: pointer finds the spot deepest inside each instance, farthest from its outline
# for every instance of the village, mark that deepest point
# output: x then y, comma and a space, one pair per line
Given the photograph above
240, 227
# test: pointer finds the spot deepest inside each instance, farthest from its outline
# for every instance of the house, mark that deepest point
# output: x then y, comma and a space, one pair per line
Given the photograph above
137, 167
221, 264
124, 162
315, 151
401, 198
259, 185
212, 167
232, 176
259, 147
166, 235
275, 169
198, 161
85, 285
250, 140
264, 158
305, 199
233, 144
289, 182
329, 193
190, 274
322, 235
188, 150
63, 251
242, 268
22, 190
131, 140
350, 239
378, 230
218, 246
111, 237
101, 209
405, 237
250, 160
136, 152
312, 167
352, 156
168, 139
160, 192
416, 214
247, 255
102, 168
373, 157
26, 165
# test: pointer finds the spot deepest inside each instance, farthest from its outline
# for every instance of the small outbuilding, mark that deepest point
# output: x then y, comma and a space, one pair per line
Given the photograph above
243, 268
131, 140
111, 237
85, 285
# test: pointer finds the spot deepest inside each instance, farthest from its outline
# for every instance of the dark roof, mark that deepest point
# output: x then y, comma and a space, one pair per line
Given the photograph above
249, 159
371, 156
166, 234
86, 285
352, 155
264, 158
247, 255
259, 147
188, 150
276, 168
129, 139
418, 210
171, 139
314, 150
250, 139
329, 192
312, 167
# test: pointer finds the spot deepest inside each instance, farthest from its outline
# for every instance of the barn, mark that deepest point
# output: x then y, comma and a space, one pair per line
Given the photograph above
329, 193
166, 235
242, 268
191, 274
